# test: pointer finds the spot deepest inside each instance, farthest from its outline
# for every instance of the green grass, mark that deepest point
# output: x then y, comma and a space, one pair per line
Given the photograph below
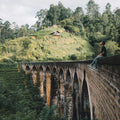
41, 46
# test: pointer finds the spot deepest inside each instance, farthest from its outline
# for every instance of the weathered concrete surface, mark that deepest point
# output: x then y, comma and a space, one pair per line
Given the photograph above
95, 94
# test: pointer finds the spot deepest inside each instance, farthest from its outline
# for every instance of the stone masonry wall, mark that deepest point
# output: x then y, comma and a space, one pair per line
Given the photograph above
91, 93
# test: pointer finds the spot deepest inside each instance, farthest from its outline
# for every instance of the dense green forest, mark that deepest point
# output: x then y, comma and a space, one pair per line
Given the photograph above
92, 25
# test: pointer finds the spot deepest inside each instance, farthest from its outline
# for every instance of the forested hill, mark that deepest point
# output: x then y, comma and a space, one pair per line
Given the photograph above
84, 32
50, 44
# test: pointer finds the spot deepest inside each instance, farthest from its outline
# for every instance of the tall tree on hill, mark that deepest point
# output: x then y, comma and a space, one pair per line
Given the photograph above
108, 8
117, 17
7, 32
78, 14
53, 14
92, 9
41, 16
1, 21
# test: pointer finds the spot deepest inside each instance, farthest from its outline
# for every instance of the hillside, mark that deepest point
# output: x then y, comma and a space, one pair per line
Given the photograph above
43, 46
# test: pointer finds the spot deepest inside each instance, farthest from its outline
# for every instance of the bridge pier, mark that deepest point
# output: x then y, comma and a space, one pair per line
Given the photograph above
41, 87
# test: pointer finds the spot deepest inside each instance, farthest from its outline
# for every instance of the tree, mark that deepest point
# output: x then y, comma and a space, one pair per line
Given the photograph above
92, 9
108, 8
27, 26
22, 31
64, 12
53, 14
117, 17
112, 48
78, 14
1, 22
41, 15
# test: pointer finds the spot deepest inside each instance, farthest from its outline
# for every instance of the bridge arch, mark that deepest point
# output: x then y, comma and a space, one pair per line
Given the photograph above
47, 69
27, 67
41, 69
34, 68
54, 86
68, 77
76, 99
68, 95
54, 70
61, 92
86, 105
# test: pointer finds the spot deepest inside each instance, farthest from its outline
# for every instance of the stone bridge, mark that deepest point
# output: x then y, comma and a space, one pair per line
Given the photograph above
78, 90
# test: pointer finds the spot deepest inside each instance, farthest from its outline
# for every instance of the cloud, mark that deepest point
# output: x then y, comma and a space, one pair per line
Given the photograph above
24, 11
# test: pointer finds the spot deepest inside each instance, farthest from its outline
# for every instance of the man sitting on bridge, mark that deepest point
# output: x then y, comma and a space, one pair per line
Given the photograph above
102, 54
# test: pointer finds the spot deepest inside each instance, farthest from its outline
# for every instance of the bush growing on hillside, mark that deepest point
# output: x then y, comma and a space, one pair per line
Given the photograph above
26, 43
73, 57
72, 29
112, 48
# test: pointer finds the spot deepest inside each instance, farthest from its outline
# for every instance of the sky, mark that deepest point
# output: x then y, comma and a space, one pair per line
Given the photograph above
23, 11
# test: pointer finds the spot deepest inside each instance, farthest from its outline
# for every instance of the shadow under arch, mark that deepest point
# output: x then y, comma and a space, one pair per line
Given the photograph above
27, 67
34, 68
68, 77
54, 70
61, 92
41, 69
68, 95
76, 99
54, 86
85, 102
47, 69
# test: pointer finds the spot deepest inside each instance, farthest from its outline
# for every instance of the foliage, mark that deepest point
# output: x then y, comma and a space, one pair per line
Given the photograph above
42, 46
112, 48
93, 26
73, 57
19, 100
12, 30
81, 29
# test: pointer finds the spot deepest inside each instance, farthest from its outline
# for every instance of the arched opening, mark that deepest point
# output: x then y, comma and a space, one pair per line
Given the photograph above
35, 75
34, 68
54, 86
47, 70
68, 96
76, 100
40, 69
68, 78
61, 92
27, 68
54, 70
85, 111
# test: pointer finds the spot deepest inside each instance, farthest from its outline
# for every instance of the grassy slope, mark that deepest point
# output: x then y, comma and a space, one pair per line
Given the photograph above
44, 47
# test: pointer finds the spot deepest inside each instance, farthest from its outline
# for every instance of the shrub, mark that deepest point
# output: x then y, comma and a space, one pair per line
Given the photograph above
73, 57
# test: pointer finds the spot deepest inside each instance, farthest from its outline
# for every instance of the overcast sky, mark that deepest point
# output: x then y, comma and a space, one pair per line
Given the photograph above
23, 11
